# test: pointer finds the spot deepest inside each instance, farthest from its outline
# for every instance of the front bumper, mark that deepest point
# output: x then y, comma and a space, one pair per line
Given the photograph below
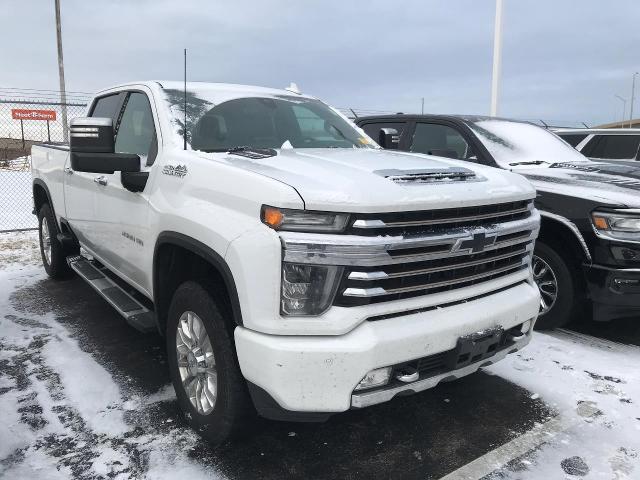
615, 292
320, 373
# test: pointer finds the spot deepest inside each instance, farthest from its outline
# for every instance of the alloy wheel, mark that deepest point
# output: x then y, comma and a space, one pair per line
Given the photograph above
46, 240
196, 363
547, 283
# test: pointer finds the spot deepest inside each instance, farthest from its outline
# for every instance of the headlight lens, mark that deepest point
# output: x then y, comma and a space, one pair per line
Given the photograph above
617, 226
303, 220
308, 289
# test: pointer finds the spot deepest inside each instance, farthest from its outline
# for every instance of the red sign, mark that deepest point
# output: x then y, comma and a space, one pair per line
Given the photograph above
29, 114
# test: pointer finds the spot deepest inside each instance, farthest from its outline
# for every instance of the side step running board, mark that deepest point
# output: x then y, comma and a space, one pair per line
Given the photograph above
136, 314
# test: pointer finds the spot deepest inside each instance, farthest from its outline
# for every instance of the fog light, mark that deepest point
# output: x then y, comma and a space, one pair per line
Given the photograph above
526, 326
375, 378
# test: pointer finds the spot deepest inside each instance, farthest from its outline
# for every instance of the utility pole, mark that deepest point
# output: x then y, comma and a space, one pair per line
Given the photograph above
624, 107
633, 92
63, 93
497, 59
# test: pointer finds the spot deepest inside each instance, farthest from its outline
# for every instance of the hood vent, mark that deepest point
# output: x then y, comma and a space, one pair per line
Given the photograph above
430, 175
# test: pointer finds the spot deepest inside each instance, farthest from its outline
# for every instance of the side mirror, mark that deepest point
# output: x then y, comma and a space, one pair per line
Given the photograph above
92, 147
389, 138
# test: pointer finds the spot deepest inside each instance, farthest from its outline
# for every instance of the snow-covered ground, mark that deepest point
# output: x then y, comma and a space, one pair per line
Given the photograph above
594, 385
65, 416
16, 201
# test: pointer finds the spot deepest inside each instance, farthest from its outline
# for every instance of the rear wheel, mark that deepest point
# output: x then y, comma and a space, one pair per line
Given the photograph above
204, 370
54, 255
558, 288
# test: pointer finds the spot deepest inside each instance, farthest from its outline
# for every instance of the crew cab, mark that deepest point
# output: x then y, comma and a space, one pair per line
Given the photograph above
294, 267
588, 252
609, 144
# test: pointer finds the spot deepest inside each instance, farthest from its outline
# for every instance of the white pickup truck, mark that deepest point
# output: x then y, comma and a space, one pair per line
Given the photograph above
294, 267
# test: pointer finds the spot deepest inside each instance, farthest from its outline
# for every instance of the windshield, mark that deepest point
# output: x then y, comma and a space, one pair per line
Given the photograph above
271, 122
523, 145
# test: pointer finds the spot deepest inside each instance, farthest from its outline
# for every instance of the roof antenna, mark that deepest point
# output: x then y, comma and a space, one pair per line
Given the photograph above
184, 129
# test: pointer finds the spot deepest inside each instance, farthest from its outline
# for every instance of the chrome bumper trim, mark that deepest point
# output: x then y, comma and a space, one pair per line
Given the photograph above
366, 399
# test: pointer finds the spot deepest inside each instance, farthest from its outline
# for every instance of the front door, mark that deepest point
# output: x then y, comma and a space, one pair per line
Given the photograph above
124, 215
81, 189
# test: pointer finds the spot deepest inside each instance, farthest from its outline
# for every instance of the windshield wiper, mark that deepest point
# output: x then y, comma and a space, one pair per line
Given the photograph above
531, 162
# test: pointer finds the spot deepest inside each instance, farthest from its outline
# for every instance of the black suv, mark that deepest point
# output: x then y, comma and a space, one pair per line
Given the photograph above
589, 244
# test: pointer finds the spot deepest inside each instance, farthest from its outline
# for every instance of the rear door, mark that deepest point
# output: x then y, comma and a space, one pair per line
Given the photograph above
124, 215
80, 188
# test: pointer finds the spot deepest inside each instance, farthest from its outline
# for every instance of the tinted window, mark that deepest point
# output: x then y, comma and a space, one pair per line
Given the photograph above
440, 140
105, 107
615, 146
136, 132
273, 122
573, 139
373, 129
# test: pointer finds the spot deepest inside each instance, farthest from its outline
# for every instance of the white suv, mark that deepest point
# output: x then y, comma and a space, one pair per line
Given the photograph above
618, 144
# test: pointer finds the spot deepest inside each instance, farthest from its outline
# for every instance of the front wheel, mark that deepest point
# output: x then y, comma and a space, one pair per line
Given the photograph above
205, 373
557, 285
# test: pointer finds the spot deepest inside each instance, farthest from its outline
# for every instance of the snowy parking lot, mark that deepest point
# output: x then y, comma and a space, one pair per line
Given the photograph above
85, 396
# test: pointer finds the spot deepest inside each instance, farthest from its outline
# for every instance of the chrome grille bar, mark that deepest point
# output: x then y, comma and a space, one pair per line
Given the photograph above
381, 275
379, 291
376, 223
356, 250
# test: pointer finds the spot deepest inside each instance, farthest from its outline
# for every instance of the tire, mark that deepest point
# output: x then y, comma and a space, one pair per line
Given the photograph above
54, 255
549, 266
231, 408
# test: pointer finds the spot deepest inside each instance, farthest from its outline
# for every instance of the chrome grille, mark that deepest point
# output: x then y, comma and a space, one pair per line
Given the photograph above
394, 282
421, 253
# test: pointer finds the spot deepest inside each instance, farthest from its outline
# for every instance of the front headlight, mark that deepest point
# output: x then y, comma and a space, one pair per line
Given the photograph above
308, 289
303, 220
617, 225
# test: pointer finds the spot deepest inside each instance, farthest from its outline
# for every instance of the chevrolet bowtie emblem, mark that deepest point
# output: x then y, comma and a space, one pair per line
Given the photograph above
477, 243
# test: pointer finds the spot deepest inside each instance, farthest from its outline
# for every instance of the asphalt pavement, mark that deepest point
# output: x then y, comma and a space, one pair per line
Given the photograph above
421, 436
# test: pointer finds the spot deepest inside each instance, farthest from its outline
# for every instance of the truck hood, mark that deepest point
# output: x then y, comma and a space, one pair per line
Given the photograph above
606, 183
372, 180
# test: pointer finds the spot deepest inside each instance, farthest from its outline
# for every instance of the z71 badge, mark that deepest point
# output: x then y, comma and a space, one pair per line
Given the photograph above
175, 171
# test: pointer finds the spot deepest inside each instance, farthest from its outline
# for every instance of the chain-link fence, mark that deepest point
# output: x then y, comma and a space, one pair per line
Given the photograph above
24, 122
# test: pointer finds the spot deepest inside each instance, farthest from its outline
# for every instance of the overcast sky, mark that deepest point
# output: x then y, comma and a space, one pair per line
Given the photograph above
562, 60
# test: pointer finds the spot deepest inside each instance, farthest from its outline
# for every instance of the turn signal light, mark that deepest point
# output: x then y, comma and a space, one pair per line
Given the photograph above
272, 217
600, 222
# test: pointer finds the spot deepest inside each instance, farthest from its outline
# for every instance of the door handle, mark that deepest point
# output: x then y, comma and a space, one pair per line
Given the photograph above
101, 180
68, 170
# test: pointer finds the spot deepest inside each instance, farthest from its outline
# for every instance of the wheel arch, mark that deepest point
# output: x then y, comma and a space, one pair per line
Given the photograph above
554, 228
170, 245
41, 195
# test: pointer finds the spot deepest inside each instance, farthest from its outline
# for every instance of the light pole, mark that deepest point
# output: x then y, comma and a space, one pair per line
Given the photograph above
624, 107
633, 93
63, 93
497, 59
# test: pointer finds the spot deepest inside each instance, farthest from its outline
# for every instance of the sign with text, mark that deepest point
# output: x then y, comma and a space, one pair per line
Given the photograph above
30, 114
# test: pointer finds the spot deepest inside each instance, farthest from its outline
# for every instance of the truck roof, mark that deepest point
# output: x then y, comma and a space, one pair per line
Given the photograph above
210, 87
